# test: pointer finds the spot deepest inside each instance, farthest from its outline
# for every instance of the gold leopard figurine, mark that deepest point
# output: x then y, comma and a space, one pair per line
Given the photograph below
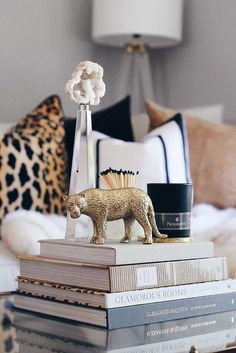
112, 204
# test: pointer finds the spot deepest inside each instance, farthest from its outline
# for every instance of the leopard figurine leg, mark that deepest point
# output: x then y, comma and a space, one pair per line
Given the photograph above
145, 224
128, 222
94, 237
101, 232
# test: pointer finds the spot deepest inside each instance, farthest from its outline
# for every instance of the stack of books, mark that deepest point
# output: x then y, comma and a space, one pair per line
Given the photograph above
122, 285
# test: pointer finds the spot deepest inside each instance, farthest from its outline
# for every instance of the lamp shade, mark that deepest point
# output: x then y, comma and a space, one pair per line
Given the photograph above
158, 22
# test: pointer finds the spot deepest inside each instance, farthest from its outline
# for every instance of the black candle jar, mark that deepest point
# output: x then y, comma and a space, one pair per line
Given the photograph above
172, 205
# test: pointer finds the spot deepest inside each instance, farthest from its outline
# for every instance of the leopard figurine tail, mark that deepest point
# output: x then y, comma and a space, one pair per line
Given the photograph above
152, 220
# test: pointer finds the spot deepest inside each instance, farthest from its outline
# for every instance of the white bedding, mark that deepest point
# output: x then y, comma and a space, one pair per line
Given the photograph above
9, 269
219, 226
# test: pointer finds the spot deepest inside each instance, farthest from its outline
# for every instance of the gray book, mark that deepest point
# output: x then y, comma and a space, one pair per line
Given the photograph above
133, 315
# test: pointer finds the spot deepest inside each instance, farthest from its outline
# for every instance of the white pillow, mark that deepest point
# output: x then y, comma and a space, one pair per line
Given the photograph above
162, 156
140, 125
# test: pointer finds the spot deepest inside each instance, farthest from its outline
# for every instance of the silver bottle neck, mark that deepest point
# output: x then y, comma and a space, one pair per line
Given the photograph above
84, 107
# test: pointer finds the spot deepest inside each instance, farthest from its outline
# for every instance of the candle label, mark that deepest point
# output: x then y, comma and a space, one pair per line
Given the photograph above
173, 221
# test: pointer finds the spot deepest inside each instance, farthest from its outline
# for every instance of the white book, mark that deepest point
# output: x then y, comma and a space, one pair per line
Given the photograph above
115, 253
162, 294
128, 298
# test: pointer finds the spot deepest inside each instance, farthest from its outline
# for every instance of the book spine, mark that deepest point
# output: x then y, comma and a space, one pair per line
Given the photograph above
60, 292
156, 295
88, 315
170, 310
162, 274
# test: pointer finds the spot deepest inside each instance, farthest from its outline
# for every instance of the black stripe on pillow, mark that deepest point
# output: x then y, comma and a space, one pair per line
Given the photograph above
165, 158
178, 118
98, 162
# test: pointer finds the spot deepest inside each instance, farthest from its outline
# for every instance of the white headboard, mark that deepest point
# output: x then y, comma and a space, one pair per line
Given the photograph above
213, 113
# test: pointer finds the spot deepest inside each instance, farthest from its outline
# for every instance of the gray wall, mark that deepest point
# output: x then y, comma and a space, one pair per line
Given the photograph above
42, 41
202, 70
40, 44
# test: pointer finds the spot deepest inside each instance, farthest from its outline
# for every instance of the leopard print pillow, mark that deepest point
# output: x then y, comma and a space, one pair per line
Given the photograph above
32, 161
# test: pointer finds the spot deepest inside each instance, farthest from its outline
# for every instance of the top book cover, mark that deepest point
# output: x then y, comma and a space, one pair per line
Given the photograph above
115, 253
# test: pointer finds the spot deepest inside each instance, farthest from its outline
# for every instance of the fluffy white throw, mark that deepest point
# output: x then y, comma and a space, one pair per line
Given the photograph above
21, 230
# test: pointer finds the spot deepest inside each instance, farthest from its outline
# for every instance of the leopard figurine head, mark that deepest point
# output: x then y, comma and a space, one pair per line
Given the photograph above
74, 204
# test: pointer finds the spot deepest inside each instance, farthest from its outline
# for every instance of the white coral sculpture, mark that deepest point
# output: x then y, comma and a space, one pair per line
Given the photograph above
86, 85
